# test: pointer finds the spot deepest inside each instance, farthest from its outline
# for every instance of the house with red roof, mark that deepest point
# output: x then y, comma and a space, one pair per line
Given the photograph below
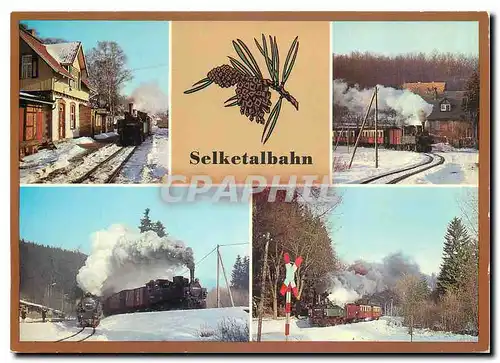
54, 91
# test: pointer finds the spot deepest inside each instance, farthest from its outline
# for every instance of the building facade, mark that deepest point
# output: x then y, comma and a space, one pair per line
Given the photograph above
57, 73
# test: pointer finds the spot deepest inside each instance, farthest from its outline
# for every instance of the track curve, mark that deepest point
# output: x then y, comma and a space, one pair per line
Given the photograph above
77, 335
408, 171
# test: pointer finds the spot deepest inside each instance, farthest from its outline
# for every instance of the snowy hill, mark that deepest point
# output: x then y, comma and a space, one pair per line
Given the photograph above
385, 329
151, 326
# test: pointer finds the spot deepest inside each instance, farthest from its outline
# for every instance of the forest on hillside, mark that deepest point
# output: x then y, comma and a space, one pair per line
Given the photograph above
369, 69
49, 273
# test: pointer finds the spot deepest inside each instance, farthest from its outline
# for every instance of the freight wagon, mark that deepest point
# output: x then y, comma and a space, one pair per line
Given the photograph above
160, 294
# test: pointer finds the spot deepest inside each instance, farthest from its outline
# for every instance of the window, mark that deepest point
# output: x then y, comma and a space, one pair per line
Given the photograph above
26, 66
72, 116
76, 82
445, 107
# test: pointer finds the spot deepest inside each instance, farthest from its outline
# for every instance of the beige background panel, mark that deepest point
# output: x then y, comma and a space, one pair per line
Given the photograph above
199, 121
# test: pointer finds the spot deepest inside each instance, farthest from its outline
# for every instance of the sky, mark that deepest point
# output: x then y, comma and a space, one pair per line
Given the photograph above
392, 38
145, 43
373, 222
67, 216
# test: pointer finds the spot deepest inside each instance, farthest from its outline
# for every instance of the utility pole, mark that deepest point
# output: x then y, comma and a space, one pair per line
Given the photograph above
362, 127
217, 288
225, 278
376, 130
262, 290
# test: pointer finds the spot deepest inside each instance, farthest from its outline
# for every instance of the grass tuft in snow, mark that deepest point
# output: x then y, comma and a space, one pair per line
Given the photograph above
232, 330
339, 164
206, 331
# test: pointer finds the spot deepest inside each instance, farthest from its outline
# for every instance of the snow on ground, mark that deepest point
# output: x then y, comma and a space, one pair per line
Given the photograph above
106, 135
363, 165
461, 166
149, 163
151, 326
39, 165
86, 164
385, 329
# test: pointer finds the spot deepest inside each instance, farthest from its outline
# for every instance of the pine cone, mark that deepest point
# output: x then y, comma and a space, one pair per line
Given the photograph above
254, 98
225, 76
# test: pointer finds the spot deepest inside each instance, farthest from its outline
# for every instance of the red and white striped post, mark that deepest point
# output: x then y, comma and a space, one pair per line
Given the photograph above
288, 287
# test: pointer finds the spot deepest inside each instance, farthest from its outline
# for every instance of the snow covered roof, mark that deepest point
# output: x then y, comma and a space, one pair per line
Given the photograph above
64, 53
55, 55
41, 50
27, 303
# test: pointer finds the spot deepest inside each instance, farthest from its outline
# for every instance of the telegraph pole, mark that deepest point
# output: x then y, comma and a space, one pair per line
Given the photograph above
362, 127
376, 131
225, 278
262, 291
217, 288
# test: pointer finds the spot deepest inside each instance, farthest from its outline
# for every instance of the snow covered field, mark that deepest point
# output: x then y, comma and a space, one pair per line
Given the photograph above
460, 166
184, 325
149, 163
363, 165
385, 329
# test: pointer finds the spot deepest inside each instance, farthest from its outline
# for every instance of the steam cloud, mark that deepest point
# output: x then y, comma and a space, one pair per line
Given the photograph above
407, 105
365, 278
124, 259
148, 97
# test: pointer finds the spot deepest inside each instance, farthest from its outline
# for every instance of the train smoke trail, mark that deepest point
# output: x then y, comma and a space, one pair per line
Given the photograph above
148, 97
407, 105
364, 278
124, 259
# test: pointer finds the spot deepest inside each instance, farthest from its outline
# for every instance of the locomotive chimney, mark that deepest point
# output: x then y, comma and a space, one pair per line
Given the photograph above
130, 107
191, 274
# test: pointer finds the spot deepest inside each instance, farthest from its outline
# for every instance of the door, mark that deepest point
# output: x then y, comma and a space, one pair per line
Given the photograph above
62, 120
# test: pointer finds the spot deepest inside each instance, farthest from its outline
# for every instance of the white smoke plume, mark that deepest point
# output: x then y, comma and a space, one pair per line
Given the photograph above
407, 105
148, 97
365, 278
122, 258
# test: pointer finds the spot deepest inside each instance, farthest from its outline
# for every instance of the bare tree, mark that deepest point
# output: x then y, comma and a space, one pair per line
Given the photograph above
108, 72
299, 228
413, 292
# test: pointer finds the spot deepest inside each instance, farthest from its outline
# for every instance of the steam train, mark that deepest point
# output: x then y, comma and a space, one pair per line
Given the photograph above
411, 138
134, 127
160, 294
326, 313
89, 311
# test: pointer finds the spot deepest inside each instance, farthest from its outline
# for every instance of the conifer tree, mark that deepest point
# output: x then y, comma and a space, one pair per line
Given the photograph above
456, 257
236, 273
146, 224
159, 228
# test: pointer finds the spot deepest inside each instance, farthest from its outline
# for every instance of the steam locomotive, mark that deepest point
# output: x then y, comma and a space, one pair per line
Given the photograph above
411, 138
89, 311
134, 127
326, 313
160, 294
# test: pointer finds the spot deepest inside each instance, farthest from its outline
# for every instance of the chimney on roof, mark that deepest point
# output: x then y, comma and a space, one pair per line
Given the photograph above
130, 108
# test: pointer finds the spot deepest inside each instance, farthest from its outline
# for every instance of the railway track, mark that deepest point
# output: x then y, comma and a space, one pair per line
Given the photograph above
77, 335
395, 176
107, 170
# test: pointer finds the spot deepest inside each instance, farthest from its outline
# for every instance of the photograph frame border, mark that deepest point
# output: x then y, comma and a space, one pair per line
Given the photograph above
483, 343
